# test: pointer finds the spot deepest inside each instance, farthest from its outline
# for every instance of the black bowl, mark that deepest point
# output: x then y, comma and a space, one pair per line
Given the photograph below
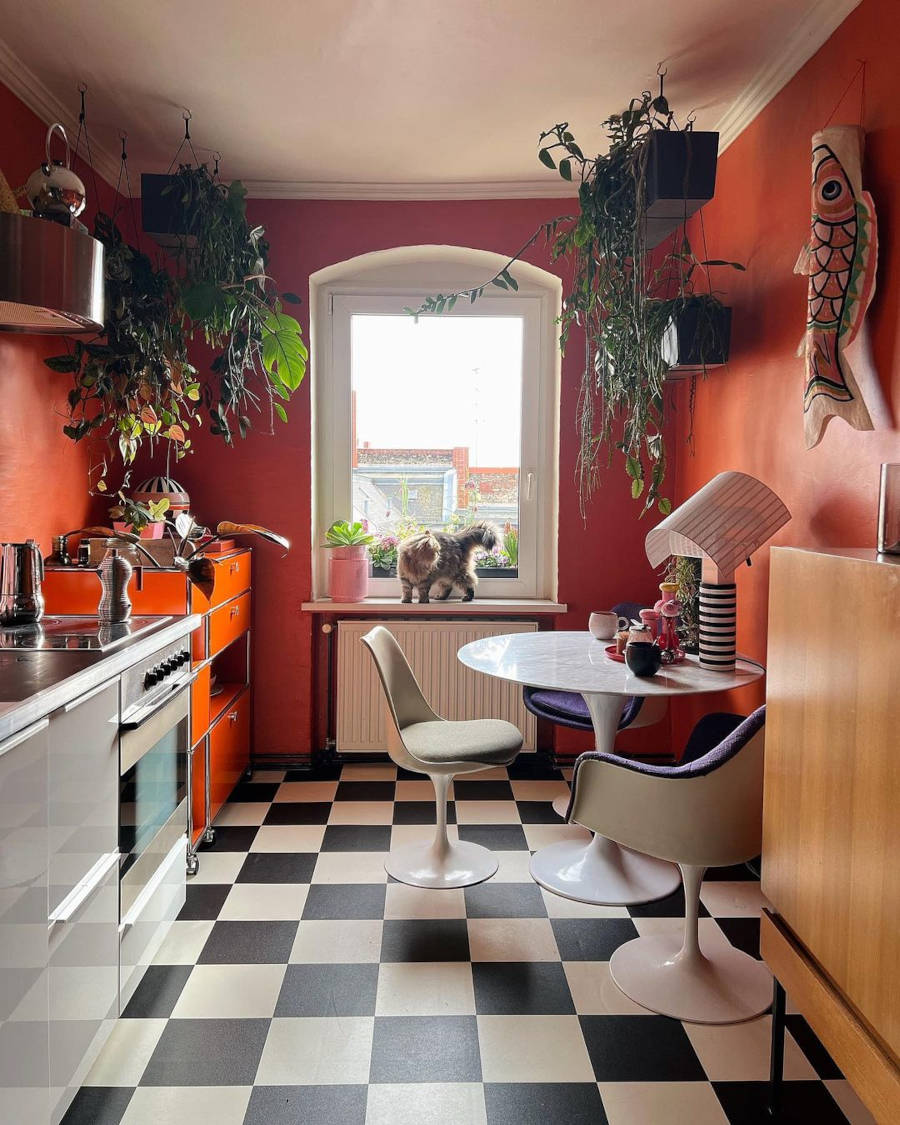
643, 659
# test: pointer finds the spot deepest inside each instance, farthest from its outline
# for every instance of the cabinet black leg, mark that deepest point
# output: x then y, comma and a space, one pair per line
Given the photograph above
776, 1071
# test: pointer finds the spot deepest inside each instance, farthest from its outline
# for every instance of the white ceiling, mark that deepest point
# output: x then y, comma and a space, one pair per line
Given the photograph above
393, 98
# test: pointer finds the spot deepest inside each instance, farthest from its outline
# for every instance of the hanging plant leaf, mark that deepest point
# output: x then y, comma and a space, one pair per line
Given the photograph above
545, 158
284, 353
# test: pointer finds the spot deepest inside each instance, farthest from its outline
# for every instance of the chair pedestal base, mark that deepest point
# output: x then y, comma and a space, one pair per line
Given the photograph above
603, 873
718, 985
460, 864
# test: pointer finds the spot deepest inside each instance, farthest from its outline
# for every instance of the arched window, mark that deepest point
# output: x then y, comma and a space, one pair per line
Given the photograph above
442, 422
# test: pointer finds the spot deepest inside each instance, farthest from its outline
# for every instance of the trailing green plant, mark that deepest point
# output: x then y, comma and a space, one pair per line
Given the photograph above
135, 382
511, 543
138, 516
345, 534
684, 571
622, 298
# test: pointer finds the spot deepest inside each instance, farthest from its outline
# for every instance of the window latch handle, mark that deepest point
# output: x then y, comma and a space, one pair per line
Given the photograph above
529, 485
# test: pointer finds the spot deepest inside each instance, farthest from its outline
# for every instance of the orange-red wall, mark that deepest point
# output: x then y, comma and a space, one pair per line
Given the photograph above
43, 475
748, 415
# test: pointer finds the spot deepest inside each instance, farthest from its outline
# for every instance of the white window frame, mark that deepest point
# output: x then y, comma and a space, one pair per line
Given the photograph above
335, 300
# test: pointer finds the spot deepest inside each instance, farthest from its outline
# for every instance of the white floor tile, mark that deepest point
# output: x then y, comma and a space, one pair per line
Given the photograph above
369, 773
661, 1103
514, 867
230, 992
361, 812
487, 812
425, 988
126, 1053
242, 814
594, 992
539, 790
264, 902
151, 1105
337, 942
740, 1051
559, 907
306, 791
495, 773
268, 776
540, 835
350, 867
183, 943
403, 901
741, 899
512, 939
288, 838
316, 1051
710, 934
426, 1103
536, 1049
849, 1101
217, 867
417, 791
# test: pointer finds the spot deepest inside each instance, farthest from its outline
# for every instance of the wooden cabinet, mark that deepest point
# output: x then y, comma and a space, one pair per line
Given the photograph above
831, 830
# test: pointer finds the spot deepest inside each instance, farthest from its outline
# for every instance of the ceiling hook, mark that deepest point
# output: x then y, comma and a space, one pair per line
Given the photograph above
123, 137
186, 114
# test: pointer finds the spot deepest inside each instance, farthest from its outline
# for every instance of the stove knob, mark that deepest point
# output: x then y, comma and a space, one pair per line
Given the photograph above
152, 677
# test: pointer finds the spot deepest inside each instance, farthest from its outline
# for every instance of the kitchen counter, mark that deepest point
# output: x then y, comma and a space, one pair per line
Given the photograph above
34, 683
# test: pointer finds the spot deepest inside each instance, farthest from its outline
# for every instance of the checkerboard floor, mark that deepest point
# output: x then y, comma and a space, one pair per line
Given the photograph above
300, 984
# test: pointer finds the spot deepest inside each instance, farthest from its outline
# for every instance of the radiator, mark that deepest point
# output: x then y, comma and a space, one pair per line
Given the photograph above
453, 691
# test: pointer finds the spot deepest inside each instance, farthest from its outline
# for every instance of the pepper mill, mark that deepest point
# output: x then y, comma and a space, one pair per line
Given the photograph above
115, 574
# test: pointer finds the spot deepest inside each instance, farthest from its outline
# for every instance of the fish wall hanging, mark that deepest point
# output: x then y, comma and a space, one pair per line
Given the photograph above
840, 260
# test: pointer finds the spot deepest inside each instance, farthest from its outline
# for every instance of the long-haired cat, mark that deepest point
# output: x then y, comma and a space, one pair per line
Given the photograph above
443, 560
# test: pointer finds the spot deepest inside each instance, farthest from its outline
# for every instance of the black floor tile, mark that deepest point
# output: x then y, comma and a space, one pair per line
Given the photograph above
481, 790
329, 772
420, 812
365, 791
98, 1105
672, 906
743, 933
409, 775
538, 812
305, 1105
505, 900
802, 1103
254, 791
442, 939
591, 939
328, 990
496, 837
298, 812
203, 901
543, 1103
277, 867
640, 1049
249, 943
823, 1064
425, 1049
158, 992
533, 767
344, 900
207, 1053
357, 838
521, 988
738, 872
234, 838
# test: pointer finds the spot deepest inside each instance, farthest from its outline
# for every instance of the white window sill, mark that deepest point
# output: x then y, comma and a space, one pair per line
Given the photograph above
480, 607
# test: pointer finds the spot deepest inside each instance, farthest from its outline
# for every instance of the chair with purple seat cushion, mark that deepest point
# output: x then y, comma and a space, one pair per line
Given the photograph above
704, 812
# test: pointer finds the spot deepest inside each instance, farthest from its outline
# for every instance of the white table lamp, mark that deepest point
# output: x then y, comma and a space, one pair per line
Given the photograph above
723, 523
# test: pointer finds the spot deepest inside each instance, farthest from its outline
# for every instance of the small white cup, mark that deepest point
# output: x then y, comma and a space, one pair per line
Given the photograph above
603, 624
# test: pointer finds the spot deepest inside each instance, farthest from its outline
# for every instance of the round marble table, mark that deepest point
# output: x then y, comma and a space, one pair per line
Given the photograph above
600, 872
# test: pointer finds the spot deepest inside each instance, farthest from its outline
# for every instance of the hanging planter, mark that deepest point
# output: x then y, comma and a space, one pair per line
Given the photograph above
164, 215
680, 178
697, 337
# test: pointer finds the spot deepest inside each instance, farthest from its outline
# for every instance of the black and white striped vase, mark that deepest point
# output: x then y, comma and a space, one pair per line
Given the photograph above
718, 625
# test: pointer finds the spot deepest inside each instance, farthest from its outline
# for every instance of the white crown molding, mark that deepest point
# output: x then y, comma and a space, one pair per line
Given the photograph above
817, 25
484, 189
29, 89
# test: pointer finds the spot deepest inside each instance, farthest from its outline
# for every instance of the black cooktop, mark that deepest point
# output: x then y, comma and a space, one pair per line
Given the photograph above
75, 634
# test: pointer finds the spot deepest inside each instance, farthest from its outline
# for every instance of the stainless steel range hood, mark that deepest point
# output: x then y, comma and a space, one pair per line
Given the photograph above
51, 277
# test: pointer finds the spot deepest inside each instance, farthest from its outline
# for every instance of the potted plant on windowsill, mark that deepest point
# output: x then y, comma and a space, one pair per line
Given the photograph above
383, 556
348, 578
495, 564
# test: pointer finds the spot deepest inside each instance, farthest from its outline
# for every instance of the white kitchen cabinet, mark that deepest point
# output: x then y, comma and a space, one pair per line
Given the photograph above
24, 854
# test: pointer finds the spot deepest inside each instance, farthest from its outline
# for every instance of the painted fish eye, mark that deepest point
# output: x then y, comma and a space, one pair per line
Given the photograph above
831, 189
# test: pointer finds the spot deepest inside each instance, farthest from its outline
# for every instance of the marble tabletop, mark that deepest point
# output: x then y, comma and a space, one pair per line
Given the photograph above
578, 662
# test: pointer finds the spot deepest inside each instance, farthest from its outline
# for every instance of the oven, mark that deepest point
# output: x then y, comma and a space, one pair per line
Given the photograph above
154, 799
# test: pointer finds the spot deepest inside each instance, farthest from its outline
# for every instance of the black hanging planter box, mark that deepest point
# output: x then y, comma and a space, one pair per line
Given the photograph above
693, 344
163, 215
680, 177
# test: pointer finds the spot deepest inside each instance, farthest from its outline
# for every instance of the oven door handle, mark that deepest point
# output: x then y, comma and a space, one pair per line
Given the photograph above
137, 718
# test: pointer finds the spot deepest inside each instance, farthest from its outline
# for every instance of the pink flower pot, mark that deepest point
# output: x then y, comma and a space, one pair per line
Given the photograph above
348, 579
151, 531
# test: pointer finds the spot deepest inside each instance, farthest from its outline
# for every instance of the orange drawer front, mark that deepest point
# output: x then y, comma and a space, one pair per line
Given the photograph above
229, 751
200, 703
77, 591
198, 791
228, 622
232, 577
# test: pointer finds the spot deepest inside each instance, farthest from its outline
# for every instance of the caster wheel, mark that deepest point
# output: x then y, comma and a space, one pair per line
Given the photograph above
248, 773
209, 837
193, 865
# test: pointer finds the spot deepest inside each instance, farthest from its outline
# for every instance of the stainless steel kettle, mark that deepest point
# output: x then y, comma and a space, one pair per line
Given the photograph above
21, 574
